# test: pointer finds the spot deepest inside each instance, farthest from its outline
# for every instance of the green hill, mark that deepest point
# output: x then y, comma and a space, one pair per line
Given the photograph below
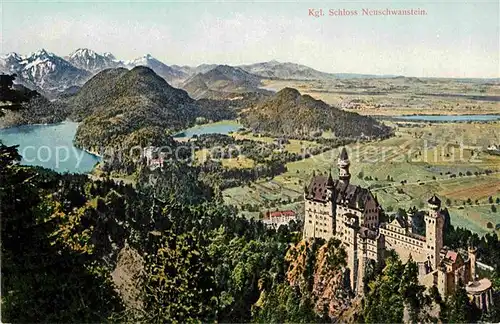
291, 114
117, 103
36, 110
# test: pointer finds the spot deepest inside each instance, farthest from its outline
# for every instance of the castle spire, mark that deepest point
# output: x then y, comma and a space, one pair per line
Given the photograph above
329, 182
343, 154
343, 164
434, 203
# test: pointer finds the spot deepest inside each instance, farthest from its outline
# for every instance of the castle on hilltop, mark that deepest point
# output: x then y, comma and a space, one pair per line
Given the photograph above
351, 214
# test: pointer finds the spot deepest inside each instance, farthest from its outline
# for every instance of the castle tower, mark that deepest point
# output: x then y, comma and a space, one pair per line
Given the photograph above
442, 281
343, 164
434, 223
472, 251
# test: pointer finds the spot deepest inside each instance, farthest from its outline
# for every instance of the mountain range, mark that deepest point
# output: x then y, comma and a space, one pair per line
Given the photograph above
51, 74
170, 74
276, 70
43, 71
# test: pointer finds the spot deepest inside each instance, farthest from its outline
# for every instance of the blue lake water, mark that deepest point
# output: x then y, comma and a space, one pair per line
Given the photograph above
446, 118
215, 128
50, 146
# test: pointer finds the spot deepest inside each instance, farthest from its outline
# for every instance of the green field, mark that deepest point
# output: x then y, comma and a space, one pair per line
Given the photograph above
393, 96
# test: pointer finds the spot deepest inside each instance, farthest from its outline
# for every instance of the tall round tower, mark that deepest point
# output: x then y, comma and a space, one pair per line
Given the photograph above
434, 223
343, 164
472, 251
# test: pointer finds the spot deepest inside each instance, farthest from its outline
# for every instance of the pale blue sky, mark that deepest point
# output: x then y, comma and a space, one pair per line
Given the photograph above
454, 39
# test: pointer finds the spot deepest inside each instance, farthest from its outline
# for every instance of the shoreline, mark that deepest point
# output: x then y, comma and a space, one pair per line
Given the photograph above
89, 151
66, 121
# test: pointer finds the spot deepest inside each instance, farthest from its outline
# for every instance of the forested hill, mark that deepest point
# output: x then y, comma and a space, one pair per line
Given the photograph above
292, 114
36, 110
140, 90
117, 102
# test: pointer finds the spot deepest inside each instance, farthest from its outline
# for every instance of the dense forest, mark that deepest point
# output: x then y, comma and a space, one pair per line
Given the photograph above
292, 114
77, 250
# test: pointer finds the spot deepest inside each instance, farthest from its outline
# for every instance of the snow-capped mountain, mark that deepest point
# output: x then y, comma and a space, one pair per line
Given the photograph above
43, 71
10, 62
91, 61
168, 73
110, 56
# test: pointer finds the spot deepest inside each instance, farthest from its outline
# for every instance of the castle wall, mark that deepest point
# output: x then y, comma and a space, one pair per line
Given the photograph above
429, 279
368, 248
350, 245
371, 215
342, 219
319, 220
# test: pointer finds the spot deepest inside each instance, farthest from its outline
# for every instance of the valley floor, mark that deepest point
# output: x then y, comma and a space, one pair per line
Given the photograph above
400, 96
449, 159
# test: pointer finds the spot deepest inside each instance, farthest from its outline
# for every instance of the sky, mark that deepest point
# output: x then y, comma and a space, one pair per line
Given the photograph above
453, 39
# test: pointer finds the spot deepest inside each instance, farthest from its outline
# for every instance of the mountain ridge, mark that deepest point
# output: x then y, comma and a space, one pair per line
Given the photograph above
91, 61
221, 80
168, 73
43, 71
37, 110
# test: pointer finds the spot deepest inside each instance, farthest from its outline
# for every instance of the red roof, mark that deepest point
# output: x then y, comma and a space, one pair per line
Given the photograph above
452, 255
280, 213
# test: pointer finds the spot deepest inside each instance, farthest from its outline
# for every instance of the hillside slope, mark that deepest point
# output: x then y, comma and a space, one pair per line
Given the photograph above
37, 110
291, 114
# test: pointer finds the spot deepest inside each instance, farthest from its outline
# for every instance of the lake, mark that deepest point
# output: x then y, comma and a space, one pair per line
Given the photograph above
50, 146
223, 127
449, 118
